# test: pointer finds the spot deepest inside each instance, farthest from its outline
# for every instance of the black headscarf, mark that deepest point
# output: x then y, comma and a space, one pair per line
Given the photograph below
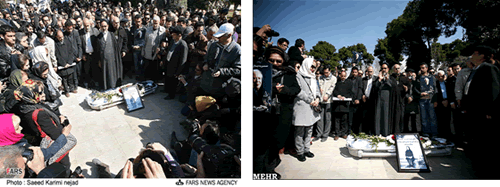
39, 68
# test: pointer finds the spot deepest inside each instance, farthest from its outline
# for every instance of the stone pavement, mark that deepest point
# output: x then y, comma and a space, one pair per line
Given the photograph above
333, 161
113, 135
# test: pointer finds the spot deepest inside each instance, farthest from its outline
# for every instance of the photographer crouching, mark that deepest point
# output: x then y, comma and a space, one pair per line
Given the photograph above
212, 155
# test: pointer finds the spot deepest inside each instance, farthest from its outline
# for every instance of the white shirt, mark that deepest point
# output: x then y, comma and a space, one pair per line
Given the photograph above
88, 47
368, 87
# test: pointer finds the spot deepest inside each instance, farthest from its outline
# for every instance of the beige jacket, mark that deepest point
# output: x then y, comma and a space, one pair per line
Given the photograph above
327, 85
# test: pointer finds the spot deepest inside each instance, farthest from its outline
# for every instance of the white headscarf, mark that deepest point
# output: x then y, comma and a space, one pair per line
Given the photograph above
40, 54
305, 71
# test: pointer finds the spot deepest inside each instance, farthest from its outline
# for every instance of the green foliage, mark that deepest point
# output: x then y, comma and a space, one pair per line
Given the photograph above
414, 32
326, 51
346, 56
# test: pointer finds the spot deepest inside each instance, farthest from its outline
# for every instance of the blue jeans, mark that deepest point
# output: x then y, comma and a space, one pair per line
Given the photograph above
429, 120
138, 64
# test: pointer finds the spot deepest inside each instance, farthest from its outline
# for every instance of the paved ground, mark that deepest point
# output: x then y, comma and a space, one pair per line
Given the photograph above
333, 161
113, 135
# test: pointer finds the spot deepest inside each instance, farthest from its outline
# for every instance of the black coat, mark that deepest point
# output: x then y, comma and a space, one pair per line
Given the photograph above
484, 91
64, 55
357, 87
295, 54
5, 58
76, 42
112, 71
450, 95
286, 97
344, 89
175, 65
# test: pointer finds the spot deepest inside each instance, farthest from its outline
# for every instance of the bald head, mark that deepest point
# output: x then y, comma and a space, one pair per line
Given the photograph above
87, 24
59, 35
369, 71
116, 22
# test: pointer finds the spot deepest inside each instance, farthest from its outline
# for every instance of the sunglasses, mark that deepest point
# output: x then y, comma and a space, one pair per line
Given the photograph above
313, 67
274, 60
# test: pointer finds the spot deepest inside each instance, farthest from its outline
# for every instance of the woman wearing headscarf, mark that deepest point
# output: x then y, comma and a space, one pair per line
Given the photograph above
41, 124
304, 114
10, 134
276, 129
40, 72
16, 78
41, 53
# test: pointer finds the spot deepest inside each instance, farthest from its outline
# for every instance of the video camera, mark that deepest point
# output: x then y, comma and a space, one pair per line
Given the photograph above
218, 161
272, 33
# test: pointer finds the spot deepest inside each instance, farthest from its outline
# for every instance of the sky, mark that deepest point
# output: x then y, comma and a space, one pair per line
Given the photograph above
338, 22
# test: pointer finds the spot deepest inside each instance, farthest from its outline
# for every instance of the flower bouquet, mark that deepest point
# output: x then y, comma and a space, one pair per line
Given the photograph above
112, 97
363, 145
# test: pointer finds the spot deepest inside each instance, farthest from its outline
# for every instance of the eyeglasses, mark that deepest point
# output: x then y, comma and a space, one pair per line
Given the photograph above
274, 60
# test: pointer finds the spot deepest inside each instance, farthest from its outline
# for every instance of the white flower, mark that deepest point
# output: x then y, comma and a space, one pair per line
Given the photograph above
428, 143
391, 140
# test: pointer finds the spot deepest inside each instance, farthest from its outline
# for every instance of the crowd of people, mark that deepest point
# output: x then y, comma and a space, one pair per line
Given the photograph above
299, 100
48, 50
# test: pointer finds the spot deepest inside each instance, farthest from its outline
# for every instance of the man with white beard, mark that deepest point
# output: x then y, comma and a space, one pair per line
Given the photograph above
155, 36
89, 41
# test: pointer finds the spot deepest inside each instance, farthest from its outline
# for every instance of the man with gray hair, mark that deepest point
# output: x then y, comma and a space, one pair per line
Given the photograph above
155, 38
88, 37
210, 35
442, 99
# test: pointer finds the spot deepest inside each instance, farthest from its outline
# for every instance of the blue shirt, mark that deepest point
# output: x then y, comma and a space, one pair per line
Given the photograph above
443, 89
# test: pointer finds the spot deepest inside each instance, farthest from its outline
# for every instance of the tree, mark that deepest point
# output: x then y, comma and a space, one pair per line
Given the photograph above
347, 57
325, 51
384, 54
438, 53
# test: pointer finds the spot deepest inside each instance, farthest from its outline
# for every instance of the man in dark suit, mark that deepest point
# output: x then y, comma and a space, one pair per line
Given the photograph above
368, 102
442, 100
65, 57
76, 45
88, 37
340, 108
8, 47
174, 61
354, 114
480, 101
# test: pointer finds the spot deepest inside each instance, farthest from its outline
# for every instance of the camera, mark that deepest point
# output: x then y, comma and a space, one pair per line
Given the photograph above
27, 153
65, 122
272, 33
76, 172
218, 161
193, 126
